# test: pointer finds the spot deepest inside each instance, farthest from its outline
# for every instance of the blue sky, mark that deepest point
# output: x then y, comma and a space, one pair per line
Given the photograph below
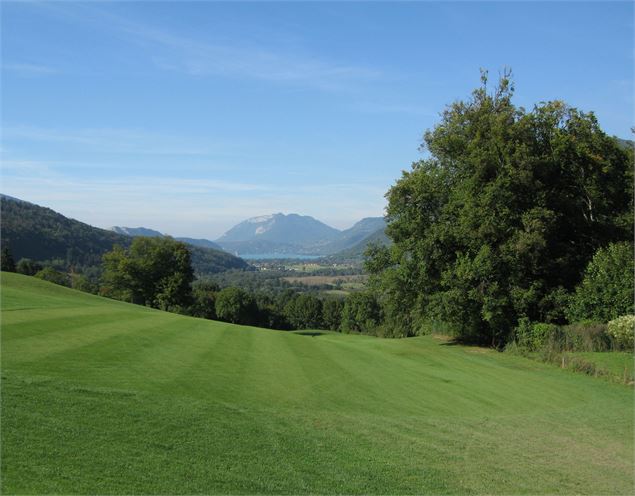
190, 117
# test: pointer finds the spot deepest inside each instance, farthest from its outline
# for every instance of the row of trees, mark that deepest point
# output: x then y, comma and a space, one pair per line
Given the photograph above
359, 312
157, 272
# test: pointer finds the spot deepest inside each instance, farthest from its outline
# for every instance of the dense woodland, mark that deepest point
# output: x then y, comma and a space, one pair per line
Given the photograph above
517, 228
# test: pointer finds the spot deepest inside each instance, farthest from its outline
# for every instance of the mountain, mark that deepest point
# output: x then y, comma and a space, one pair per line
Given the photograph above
136, 231
353, 235
356, 252
41, 234
144, 231
624, 143
281, 233
203, 243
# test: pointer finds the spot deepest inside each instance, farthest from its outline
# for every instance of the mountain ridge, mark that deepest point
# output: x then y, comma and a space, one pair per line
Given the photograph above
152, 233
294, 234
44, 235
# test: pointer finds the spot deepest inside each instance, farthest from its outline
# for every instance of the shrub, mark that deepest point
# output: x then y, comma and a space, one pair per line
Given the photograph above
578, 364
606, 291
534, 335
51, 275
582, 336
28, 267
81, 283
621, 330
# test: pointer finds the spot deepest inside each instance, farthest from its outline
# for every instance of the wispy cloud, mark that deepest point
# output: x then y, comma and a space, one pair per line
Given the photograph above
252, 59
188, 207
133, 141
28, 69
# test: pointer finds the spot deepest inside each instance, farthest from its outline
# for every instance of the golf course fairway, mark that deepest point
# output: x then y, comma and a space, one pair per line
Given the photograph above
104, 397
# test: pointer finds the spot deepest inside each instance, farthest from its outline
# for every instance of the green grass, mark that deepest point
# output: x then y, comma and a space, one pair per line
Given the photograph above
102, 397
613, 365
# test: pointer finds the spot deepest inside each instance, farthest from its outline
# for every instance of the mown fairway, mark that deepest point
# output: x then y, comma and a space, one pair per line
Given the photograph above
104, 397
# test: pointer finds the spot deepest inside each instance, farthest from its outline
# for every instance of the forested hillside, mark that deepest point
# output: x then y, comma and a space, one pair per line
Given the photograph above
41, 234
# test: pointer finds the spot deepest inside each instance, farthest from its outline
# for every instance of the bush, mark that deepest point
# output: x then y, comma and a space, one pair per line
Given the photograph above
28, 267
534, 336
582, 336
606, 291
51, 275
81, 283
621, 331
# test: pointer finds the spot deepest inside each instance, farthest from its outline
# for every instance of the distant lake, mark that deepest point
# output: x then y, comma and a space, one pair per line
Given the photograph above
277, 256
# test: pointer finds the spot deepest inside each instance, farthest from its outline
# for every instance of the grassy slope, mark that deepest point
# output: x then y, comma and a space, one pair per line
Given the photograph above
617, 365
104, 397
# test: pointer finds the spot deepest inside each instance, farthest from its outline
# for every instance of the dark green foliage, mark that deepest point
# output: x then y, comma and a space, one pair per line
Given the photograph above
206, 261
533, 336
606, 292
236, 306
551, 340
28, 267
332, 314
500, 221
51, 275
204, 300
155, 272
361, 313
7, 264
271, 309
82, 283
304, 311
583, 336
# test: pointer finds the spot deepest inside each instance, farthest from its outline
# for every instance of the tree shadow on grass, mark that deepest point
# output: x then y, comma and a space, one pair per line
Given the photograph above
309, 333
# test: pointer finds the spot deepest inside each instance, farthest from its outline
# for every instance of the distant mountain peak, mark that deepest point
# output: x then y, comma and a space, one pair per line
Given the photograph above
262, 218
285, 229
294, 233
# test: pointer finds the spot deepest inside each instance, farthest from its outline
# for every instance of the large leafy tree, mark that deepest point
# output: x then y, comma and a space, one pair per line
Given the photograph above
499, 221
154, 271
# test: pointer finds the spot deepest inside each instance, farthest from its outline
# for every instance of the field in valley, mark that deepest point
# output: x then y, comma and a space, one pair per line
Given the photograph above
100, 396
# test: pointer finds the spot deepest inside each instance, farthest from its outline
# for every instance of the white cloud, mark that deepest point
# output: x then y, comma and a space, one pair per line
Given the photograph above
203, 57
115, 140
27, 69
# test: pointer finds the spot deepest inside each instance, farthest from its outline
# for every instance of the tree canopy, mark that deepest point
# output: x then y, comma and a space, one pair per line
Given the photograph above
500, 219
154, 271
